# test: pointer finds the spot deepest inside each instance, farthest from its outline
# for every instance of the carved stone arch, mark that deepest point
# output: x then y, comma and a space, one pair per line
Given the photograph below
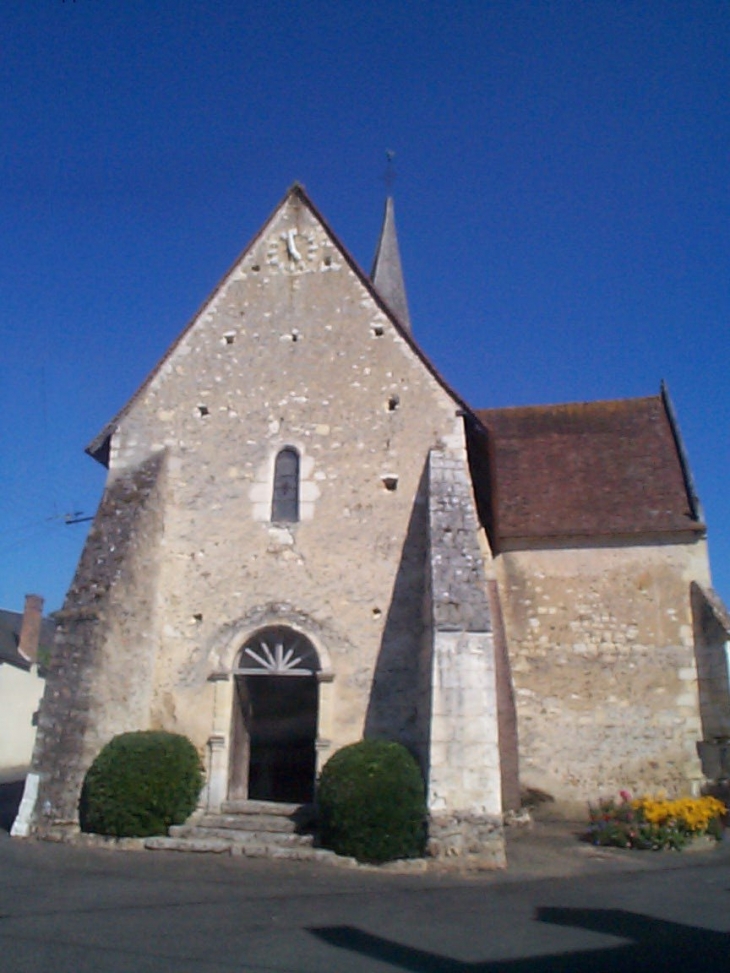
272, 617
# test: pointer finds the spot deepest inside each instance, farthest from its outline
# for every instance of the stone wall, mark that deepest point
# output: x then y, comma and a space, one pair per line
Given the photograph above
602, 656
292, 354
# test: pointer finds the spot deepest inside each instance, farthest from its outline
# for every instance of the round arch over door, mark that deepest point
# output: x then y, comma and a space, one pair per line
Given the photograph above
274, 720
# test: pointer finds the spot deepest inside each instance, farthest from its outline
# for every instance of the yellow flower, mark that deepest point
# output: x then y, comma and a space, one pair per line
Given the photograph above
692, 813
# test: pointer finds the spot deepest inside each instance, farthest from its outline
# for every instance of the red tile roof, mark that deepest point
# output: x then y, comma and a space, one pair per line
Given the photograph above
584, 469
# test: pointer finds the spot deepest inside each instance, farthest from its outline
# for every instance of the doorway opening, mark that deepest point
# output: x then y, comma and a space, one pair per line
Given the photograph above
274, 731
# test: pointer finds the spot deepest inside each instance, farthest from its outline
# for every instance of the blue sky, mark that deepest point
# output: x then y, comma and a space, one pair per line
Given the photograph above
562, 195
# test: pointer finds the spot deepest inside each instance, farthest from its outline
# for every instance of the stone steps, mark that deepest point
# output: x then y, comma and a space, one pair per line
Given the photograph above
241, 836
256, 829
265, 807
268, 823
247, 850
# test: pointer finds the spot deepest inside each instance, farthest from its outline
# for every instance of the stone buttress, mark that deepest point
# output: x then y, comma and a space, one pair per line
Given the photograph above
463, 779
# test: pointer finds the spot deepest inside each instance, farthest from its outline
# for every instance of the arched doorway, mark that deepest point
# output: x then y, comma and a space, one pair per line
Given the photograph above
274, 723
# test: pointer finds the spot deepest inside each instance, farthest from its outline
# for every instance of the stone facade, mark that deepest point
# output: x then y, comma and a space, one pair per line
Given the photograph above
306, 538
184, 564
603, 663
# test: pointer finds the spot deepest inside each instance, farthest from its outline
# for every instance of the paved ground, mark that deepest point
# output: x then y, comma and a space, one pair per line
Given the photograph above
562, 907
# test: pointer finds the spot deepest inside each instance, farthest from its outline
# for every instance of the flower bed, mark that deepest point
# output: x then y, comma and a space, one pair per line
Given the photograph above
655, 823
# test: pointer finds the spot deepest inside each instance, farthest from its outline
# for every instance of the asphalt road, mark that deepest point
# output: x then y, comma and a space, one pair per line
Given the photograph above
72, 910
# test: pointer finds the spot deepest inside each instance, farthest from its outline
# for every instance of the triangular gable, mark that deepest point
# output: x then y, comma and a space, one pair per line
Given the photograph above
98, 448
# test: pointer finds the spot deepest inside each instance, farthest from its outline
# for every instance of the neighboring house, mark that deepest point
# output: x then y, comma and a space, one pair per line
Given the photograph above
23, 636
306, 537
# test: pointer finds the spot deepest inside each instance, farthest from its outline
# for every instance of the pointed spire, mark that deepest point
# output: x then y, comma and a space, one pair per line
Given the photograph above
387, 273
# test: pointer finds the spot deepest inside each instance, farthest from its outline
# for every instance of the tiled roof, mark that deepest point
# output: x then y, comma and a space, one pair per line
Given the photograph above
584, 469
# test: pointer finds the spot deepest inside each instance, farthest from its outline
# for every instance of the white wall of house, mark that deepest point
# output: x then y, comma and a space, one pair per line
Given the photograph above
20, 696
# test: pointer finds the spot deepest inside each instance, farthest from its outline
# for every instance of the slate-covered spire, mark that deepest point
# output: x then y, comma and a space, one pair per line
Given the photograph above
387, 273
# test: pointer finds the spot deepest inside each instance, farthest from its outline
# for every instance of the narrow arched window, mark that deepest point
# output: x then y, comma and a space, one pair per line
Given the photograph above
285, 502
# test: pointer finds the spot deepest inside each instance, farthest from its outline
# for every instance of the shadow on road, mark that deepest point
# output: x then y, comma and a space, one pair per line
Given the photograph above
655, 946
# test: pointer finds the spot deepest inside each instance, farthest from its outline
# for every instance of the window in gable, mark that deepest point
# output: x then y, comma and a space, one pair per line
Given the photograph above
285, 502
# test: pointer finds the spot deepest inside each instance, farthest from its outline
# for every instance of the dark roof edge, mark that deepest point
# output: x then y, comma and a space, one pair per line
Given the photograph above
511, 543
691, 529
98, 448
694, 501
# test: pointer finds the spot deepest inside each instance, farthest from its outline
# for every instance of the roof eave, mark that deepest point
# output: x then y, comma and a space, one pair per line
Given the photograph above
697, 529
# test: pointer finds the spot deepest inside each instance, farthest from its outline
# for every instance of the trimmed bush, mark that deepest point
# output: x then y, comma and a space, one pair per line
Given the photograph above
140, 784
371, 803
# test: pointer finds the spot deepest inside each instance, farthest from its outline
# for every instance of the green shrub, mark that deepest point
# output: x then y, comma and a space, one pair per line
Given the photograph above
140, 784
371, 802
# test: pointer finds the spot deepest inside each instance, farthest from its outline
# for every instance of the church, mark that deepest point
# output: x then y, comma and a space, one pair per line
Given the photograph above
307, 537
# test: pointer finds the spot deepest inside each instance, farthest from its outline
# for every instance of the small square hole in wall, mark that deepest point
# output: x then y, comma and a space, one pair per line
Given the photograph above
229, 338
203, 410
377, 330
393, 403
390, 482
255, 268
328, 261
197, 617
